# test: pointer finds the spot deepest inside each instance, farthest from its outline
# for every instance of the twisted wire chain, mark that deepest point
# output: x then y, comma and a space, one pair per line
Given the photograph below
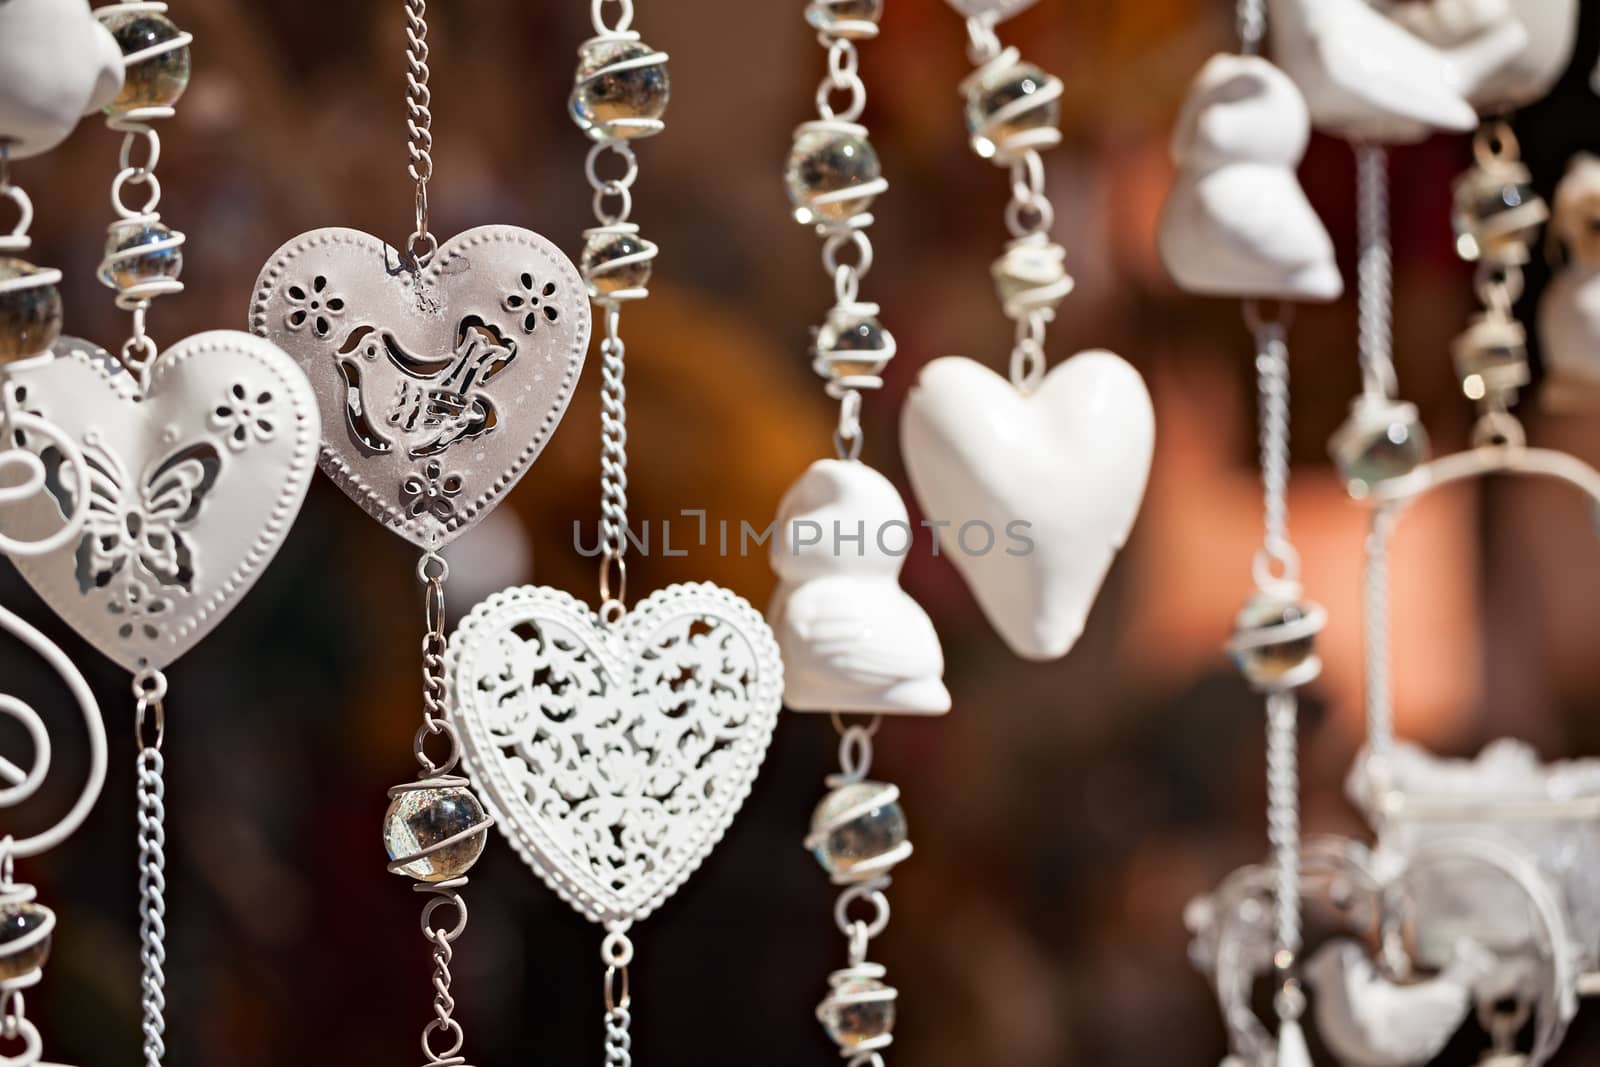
443, 1026
1376, 274
613, 449
419, 128
1375, 604
433, 571
1251, 20
1283, 820
152, 815
1278, 561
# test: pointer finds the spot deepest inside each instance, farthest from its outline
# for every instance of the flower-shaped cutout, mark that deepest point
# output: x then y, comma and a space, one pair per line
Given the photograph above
531, 301
242, 416
433, 491
143, 612
314, 304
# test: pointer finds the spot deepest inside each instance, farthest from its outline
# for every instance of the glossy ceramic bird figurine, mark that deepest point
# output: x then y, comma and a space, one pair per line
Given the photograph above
57, 64
1551, 25
1237, 222
1367, 78
1367, 1020
1569, 311
852, 639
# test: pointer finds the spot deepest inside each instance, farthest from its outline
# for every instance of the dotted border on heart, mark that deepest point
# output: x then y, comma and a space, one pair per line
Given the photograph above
308, 424
508, 607
343, 475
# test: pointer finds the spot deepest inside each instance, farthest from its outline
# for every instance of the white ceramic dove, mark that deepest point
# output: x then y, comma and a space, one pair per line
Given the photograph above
1569, 311
1237, 222
1366, 77
1551, 25
57, 63
852, 639
1366, 1020
1064, 466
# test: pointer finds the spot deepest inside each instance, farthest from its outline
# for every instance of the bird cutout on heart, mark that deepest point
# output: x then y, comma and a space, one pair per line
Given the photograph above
1368, 78
440, 386
852, 639
1552, 31
57, 64
191, 486
1569, 311
1039, 490
1236, 222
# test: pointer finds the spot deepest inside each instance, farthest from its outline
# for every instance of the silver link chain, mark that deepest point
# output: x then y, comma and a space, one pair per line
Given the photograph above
1376, 274
616, 952
443, 1027
150, 689
613, 468
422, 245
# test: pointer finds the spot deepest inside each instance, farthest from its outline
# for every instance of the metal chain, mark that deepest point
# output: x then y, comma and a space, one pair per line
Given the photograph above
152, 815
443, 1026
855, 750
1283, 821
419, 129
1277, 565
1251, 19
616, 952
433, 571
1375, 605
613, 468
1375, 269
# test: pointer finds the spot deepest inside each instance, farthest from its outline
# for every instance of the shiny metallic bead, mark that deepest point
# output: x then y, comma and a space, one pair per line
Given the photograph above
30, 310
1496, 213
1274, 642
1032, 276
616, 260
1012, 106
853, 343
833, 172
1491, 357
25, 935
622, 88
858, 1012
847, 19
859, 831
157, 59
434, 831
140, 252
1381, 440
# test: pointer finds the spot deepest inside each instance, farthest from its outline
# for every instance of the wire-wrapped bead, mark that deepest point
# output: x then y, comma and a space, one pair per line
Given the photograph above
155, 56
1012, 107
1497, 213
833, 173
435, 829
1032, 276
851, 20
143, 258
859, 1011
26, 929
1491, 357
617, 262
858, 832
1381, 440
621, 89
30, 309
1274, 642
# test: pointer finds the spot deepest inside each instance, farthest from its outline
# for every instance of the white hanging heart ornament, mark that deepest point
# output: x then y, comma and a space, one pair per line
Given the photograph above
193, 484
614, 756
1037, 491
439, 387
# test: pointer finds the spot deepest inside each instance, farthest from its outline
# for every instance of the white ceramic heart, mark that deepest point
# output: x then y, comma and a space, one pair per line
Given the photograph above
193, 486
614, 757
439, 387
57, 64
1063, 468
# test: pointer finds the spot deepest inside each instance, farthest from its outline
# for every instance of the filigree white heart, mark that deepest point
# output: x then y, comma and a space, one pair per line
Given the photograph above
1036, 492
192, 486
439, 387
614, 757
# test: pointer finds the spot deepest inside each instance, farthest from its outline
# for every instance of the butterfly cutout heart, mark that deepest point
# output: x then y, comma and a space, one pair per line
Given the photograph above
1037, 491
614, 757
439, 387
192, 486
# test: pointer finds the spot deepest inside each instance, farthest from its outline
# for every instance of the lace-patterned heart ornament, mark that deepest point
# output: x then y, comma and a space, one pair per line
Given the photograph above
614, 756
192, 485
439, 387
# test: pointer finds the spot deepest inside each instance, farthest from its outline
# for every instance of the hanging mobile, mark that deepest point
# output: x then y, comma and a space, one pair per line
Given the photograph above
195, 462
442, 370
853, 641
614, 747
1065, 454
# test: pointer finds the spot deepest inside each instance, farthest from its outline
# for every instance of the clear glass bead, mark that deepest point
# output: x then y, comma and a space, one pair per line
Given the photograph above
20, 920
419, 819
130, 266
604, 249
857, 1011
1269, 663
844, 842
1031, 275
621, 90
158, 80
1497, 214
1383, 448
840, 337
994, 114
30, 315
825, 163
836, 16
1491, 357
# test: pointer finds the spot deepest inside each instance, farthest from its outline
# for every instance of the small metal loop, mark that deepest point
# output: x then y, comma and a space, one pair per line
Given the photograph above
850, 113
1262, 322
434, 727
624, 17
433, 612
870, 893
449, 933
1498, 428
132, 177
844, 63
606, 216
152, 142
609, 560
1495, 142
433, 567
851, 239
614, 186
452, 1029
421, 247
19, 232
1028, 365
149, 715
150, 684
983, 42
617, 949
847, 448
1276, 567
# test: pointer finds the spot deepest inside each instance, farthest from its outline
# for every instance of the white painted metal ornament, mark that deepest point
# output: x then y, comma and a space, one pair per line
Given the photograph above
1237, 222
1064, 465
614, 754
991, 10
439, 386
1368, 78
57, 64
1569, 311
852, 639
194, 477
1552, 31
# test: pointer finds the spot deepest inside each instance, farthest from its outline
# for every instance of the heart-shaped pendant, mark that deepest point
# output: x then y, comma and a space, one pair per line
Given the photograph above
998, 10
1038, 491
439, 387
192, 486
614, 756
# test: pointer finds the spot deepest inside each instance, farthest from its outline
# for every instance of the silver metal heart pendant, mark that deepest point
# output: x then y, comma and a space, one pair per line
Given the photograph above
614, 757
191, 486
438, 387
